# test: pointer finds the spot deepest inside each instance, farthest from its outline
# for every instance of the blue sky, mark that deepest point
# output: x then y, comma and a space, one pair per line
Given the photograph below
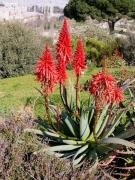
42, 2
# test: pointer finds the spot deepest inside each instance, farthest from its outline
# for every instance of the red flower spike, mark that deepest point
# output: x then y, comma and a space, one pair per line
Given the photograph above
63, 47
118, 95
61, 71
79, 58
45, 71
116, 53
104, 88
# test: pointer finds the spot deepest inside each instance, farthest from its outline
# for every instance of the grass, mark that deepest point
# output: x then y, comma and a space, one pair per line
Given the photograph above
17, 92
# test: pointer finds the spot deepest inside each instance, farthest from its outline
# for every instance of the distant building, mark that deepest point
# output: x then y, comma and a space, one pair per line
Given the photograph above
44, 16
11, 11
20, 9
50, 8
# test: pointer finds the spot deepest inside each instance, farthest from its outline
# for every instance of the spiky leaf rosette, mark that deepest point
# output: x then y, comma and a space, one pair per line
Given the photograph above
74, 139
79, 58
45, 71
63, 47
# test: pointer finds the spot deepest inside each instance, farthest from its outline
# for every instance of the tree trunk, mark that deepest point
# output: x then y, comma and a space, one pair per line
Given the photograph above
111, 26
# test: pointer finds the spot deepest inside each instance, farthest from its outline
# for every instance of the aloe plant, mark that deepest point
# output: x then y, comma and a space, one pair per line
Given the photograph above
77, 131
74, 137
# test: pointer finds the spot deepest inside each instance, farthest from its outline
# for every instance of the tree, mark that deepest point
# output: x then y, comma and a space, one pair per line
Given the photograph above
77, 9
107, 10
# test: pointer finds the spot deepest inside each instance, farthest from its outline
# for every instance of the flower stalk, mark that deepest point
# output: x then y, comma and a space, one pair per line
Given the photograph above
66, 102
95, 119
77, 90
58, 116
47, 109
78, 66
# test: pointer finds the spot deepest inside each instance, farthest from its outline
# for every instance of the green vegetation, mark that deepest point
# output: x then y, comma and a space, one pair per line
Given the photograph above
96, 48
20, 91
127, 47
17, 92
20, 48
87, 120
109, 10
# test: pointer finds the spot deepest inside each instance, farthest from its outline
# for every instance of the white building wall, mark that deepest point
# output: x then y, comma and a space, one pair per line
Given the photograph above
18, 10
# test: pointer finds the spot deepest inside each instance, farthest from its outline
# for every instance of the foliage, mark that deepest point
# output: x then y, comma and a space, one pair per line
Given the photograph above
96, 49
19, 49
110, 10
16, 92
123, 74
116, 60
17, 158
77, 9
74, 137
127, 47
89, 131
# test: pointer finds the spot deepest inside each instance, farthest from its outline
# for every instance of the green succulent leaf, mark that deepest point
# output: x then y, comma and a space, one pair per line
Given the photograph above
119, 142
91, 113
51, 153
81, 150
84, 127
79, 156
64, 98
102, 126
78, 161
64, 93
129, 133
101, 118
64, 148
90, 101
53, 135
72, 142
116, 120
34, 131
71, 126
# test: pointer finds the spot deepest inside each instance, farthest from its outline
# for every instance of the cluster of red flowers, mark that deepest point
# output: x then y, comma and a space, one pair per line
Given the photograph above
63, 52
117, 55
61, 70
63, 47
79, 58
103, 86
105, 89
45, 71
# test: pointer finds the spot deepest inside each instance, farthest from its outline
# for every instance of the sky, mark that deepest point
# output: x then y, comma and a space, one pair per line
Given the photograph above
39, 2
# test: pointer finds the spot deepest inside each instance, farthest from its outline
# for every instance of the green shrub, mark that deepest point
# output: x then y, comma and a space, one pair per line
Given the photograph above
116, 60
93, 52
127, 47
95, 49
19, 49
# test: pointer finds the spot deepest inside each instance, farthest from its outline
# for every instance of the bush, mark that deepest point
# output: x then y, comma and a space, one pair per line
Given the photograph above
96, 49
17, 160
19, 49
127, 47
116, 60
